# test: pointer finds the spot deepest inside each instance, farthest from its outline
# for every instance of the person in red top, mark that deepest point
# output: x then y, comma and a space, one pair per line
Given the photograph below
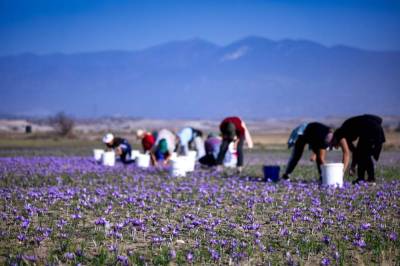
233, 129
147, 139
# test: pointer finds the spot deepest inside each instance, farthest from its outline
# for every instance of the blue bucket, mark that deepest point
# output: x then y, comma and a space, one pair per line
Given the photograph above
271, 172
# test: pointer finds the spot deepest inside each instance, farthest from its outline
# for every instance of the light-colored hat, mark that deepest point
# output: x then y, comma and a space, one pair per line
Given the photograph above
139, 133
108, 138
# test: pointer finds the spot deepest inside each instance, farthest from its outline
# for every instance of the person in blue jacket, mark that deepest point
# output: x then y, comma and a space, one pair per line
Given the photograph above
190, 139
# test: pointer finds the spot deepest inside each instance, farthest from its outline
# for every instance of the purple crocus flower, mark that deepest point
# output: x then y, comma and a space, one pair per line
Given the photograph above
157, 240
214, 254
76, 216
123, 259
360, 243
61, 223
262, 247
172, 254
69, 256
365, 226
112, 248
21, 237
79, 252
39, 239
101, 221
47, 232
25, 223
189, 256
325, 262
284, 232
393, 236
136, 222
326, 239
336, 255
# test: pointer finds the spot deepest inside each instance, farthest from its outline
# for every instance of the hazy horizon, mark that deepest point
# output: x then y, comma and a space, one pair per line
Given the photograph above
198, 39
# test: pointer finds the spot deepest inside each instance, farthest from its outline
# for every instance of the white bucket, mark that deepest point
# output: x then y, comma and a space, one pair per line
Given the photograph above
108, 158
134, 154
178, 168
332, 174
192, 154
189, 163
230, 159
97, 154
174, 155
143, 160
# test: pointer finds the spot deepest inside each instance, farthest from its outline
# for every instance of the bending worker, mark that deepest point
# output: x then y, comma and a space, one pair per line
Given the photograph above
163, 147
211, 145
233, 129
146, 138
190, 138
369, 132
120, 146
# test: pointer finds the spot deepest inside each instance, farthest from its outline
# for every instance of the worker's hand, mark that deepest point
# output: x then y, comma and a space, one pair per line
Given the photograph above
313, 157
352, 171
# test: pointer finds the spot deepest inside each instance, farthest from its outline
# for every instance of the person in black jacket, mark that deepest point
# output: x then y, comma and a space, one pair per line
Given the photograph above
120, 146
369, 132
318, 136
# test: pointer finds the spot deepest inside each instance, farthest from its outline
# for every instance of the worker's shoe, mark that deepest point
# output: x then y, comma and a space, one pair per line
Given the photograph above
285, 177
372, 181
239, 170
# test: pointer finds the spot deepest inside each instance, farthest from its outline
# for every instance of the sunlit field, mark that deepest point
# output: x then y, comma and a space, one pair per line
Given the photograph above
58, 207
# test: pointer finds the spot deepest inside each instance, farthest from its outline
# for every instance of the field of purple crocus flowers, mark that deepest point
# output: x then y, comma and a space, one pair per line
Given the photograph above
70, 210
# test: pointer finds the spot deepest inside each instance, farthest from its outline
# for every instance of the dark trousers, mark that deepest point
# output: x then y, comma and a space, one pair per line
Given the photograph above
296, 155
363, 157
297, 152
125, 154
224, 147
208, 160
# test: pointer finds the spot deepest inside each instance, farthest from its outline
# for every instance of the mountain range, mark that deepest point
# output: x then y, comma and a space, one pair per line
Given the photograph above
254, 78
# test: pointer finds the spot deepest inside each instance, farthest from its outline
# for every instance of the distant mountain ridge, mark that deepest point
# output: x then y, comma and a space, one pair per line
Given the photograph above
254, 77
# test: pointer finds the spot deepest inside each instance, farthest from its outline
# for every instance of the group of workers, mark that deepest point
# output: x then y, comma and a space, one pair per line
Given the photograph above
365, 129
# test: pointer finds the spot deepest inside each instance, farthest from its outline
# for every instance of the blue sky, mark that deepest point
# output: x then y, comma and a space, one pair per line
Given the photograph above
48, 26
